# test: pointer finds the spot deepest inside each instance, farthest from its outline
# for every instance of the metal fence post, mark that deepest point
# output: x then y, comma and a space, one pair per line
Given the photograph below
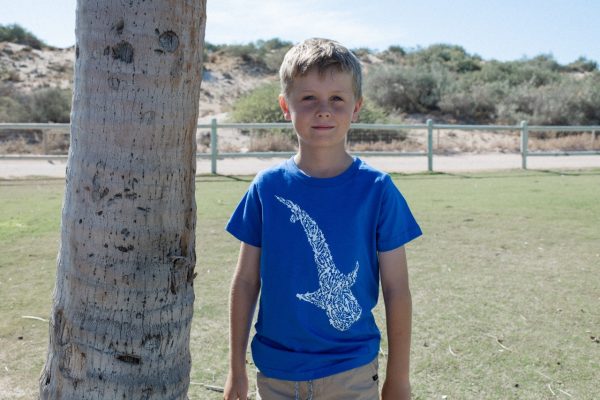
430, 145
524, 141
45, 142
214, 152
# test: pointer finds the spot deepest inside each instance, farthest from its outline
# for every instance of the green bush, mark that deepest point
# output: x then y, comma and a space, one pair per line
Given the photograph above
582, 64
42, 105
51, 105
371, 113
362, 52
264, 53
590, 104
567, 102
17, 34
473, 103
406, 88
259, 105
452, 57
544, 62
393, 55
12, 111
516, 73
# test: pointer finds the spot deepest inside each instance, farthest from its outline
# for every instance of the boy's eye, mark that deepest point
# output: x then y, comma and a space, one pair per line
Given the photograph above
337, 98
308, 97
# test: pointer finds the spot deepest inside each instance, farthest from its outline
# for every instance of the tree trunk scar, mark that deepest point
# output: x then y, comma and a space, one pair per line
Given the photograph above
114, 83
179, 272
124, 249
152, 342
129, 359
119, 26
59, 325
73, 363
123, 51
98, 192
169, 41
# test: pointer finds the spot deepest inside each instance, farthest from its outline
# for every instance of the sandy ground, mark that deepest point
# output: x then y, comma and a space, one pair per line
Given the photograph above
55, 168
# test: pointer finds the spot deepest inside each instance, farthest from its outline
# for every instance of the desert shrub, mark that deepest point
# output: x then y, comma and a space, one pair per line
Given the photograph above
17, 34
408, 89
544, 62
273, 44
371, 113
393, 55
590, 92
568, 102
452, 57
362, 52
273, 58
258, 105
12, 111
582, 64
51, 105
472, 102
47, 105
262, 105
556, 105
42, 105
272, 52
267, 54
516, 73
516, 106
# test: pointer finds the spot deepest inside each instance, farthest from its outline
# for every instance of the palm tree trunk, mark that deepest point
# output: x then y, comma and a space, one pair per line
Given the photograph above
123, 301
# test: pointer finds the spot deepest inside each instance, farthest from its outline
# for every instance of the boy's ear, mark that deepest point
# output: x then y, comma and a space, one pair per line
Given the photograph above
284, 107
357, 108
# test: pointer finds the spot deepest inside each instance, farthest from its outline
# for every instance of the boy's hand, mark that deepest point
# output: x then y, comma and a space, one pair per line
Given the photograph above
395, 390
236, 387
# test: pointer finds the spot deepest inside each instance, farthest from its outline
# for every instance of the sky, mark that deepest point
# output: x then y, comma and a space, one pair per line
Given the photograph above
504, 30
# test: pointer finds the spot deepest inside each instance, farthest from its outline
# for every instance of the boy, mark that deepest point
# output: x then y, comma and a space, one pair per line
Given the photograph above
317, 233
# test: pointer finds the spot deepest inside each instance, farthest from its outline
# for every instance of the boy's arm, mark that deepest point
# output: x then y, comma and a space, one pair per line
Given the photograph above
398, 311
245, 287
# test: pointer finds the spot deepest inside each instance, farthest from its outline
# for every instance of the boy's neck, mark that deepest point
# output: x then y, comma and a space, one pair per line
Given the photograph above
323, 164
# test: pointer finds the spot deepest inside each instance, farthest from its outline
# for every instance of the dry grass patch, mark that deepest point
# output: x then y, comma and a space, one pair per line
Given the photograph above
504, 284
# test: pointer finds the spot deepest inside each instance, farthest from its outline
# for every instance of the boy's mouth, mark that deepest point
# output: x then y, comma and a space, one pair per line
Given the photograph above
323, 127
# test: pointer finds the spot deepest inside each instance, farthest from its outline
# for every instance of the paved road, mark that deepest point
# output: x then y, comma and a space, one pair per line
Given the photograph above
17, 169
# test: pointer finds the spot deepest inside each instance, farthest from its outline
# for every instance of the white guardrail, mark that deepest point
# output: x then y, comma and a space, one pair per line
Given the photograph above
524, 128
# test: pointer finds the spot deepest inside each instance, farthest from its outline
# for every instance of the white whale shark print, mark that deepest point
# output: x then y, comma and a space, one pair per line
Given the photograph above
334, 294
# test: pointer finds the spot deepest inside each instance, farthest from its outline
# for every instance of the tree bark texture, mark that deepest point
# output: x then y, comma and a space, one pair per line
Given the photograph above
123, 301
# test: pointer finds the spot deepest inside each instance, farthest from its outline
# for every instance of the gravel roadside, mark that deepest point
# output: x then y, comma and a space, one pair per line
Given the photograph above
27, 168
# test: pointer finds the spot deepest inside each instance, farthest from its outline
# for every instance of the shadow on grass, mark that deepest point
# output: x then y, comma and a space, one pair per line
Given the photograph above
224, 178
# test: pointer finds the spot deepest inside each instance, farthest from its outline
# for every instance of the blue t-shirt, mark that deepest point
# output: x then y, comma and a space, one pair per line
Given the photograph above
319, 271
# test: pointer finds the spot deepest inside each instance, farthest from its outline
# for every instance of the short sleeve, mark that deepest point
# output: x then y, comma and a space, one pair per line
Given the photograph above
396, 224
246, 221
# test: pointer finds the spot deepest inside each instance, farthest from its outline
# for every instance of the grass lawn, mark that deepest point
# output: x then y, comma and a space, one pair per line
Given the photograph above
505, 283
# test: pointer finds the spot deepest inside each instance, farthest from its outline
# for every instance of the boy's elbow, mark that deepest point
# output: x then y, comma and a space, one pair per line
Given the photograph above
245, 285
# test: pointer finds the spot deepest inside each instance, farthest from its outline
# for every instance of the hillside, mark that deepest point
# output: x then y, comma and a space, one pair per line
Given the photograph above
442, 82
24, 70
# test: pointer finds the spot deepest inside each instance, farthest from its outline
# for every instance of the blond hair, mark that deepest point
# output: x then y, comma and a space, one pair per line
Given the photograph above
322, 54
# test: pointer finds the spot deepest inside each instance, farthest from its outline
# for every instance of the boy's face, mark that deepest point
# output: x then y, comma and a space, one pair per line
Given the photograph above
321, 107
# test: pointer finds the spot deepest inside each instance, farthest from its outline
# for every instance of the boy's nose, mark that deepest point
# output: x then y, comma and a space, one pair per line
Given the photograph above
323, 112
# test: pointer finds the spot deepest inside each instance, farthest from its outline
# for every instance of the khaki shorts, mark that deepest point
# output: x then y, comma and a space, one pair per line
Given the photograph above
361, 383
